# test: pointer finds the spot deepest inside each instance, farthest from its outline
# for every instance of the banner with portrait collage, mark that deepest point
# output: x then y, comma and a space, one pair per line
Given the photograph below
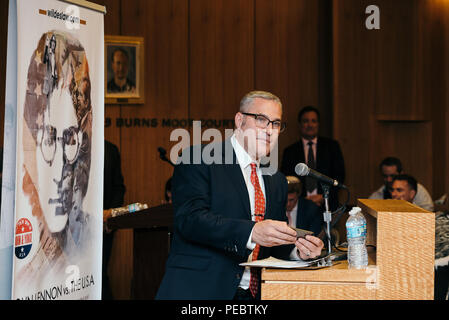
9, 159
57, 236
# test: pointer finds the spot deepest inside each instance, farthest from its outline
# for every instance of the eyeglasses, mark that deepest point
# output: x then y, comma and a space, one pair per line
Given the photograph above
263, 122
69, 140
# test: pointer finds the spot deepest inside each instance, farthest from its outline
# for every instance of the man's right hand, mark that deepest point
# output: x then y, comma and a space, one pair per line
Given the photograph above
270, 233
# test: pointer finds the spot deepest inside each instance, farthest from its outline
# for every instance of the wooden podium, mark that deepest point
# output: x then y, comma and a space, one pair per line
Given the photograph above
151, 235
401, 266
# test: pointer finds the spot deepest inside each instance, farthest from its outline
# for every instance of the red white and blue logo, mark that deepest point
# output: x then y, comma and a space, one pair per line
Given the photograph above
24, 238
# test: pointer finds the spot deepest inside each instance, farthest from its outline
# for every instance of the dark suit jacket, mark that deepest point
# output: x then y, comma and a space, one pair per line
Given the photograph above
114, 188
114, 192
329, 161
212, 225
309, 216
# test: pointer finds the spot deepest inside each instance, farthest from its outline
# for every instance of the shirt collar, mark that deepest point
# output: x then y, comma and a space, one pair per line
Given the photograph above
243, 158
305, 141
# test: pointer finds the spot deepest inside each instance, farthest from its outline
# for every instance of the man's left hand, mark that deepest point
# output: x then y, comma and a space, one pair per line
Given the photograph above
309, 248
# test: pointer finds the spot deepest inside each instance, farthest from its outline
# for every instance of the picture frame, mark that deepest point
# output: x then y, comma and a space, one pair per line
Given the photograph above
124, 81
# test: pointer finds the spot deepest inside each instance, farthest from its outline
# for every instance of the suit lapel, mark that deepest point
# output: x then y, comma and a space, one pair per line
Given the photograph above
302, 157
319, 153
267, 183
236, 176
299, 209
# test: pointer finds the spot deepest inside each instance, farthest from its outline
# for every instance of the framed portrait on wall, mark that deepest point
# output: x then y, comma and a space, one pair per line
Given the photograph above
124, 70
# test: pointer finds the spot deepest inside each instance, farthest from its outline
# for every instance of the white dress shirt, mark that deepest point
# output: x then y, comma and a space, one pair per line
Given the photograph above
245, 160
293, 216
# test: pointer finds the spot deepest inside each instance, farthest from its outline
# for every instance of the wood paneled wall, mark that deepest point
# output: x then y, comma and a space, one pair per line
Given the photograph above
381, 92
390, 91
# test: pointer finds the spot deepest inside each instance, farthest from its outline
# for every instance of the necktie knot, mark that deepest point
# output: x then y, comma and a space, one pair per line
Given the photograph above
259, 209
253, 167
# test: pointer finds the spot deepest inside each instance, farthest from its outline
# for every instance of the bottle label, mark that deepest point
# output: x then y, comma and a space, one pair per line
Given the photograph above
356, 231
132, 207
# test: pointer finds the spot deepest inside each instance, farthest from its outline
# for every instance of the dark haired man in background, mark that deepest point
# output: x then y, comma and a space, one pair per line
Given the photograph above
319, 153
404, 187
391, 167
301, 213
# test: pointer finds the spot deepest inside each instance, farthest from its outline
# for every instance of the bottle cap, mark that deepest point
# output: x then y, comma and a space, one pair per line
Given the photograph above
355, 210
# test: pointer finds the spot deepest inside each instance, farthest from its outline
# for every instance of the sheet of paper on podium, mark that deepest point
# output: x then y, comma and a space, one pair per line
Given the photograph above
272, 262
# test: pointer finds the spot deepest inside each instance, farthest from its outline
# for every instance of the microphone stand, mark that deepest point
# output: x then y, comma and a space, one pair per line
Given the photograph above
163, 158
162, 155
327, 218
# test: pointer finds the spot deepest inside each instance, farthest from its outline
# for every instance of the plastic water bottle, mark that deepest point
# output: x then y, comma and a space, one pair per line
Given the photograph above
356, 235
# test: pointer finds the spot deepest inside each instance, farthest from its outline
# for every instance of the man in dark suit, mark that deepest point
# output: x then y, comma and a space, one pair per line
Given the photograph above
228, 212
301, 212
319, 153
113, 194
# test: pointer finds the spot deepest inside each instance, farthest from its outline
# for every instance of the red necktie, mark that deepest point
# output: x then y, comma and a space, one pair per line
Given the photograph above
259, 212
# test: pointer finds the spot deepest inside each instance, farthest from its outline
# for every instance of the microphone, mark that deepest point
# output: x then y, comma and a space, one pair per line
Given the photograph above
302, 169
163, 155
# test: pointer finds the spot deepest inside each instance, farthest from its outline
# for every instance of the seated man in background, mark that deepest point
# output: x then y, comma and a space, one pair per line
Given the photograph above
391, 167
442, 251
404, 187
442, 203
301, 212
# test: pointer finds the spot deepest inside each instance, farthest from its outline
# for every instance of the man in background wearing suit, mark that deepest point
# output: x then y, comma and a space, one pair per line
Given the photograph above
302, 213
228, 212
319, 153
